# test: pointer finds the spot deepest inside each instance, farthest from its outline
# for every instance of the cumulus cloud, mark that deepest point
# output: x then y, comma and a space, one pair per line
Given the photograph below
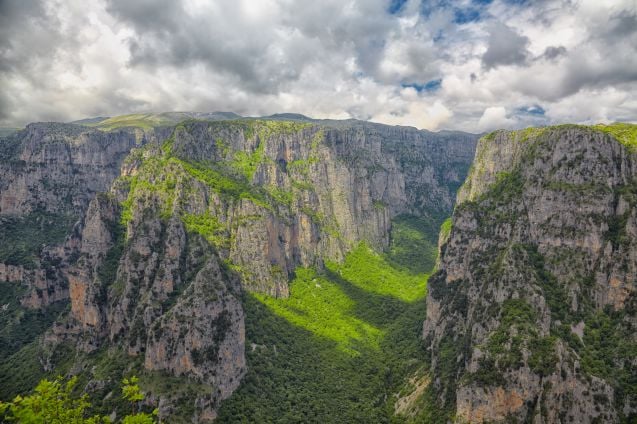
494, 64
493, 118
505, 46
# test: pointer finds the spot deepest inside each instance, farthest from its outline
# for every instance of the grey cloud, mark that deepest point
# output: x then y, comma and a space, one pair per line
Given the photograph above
552, 52
620, 26
29, 38
328, 58
265, 57
169, 35
260, 59
505, 47
361, 31
17, 20
35, 44
148, 15
607, 58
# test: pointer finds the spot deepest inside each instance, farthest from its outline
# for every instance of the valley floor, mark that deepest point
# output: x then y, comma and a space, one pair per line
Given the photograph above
343, 345
343, 348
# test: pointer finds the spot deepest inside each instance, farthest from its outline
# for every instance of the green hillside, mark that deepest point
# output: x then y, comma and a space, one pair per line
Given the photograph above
342, 346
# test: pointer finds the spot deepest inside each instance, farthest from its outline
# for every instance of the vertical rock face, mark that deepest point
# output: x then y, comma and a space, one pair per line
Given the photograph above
186, 220
59, 167
49, 172
531, 315
318, 189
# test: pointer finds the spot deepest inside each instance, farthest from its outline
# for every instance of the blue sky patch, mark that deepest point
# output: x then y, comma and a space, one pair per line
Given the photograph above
430, 86
396, 6
535, 110
462, 13
464, 16
429, 6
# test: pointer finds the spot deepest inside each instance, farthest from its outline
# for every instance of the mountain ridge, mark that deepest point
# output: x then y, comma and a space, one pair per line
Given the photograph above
221, 259
531, 267
188, 217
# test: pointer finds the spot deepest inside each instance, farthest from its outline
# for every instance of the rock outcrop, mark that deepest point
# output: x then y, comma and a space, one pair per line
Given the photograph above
49, 172
60, 167
531, 316
175, 223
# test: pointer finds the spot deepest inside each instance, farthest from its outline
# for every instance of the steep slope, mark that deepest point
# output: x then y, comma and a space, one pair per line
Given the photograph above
531, 316
49, 174
197, 214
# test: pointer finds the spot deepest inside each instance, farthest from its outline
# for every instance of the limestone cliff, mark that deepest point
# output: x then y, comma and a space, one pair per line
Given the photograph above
174, 223
49, 172
531, 316
58, 168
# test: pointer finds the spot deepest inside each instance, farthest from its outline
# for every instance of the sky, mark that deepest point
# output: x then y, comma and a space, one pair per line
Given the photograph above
472, 65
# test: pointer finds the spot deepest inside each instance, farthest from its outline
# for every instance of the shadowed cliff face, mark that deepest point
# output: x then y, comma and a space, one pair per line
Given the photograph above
188, 217
531, 315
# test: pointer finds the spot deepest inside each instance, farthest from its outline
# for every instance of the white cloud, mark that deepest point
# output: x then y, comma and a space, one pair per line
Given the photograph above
493, 118
419, 114
576, 60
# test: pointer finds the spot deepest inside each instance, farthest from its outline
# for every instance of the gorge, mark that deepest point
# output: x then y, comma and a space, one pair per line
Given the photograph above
286, 269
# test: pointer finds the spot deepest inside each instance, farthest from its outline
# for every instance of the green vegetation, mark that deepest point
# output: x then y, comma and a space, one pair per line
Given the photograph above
553, 292
266, 129
247, 163
529, 133
223, 183
445, 228
608, 344
23, 370
414, 244
490, 136
340, 348
517, 331
144, 121
370, 271
18, 325
23, 237
163, 171
181, 389
320, 306
492, 206
508, 186
281, 196
208, 226
607, 335
54, 402
167, 181
543, 358
624, 133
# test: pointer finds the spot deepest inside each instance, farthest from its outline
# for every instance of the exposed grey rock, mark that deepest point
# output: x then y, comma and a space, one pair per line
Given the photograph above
170, 296
530, 255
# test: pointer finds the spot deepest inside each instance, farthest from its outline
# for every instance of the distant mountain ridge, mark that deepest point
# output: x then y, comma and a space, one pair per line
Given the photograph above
152, 119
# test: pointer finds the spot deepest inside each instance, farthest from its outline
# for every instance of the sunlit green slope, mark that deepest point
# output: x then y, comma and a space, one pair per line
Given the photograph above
344, 343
